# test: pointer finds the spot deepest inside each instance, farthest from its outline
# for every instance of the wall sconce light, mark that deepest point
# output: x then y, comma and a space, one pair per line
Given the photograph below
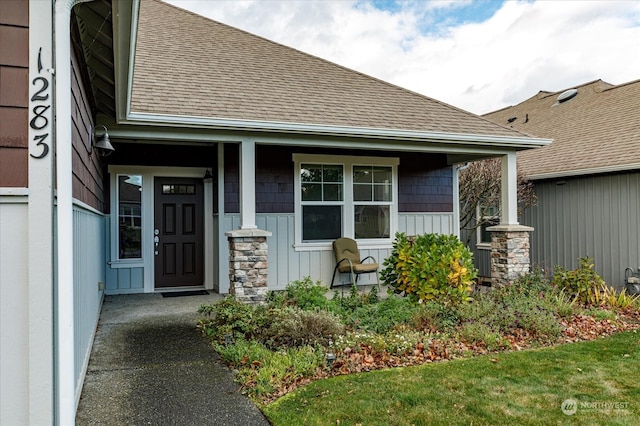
102, 143
207, 175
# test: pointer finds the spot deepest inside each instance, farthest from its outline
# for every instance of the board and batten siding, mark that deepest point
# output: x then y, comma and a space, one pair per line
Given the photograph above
591, 216
14, 312
286, 264
89, 261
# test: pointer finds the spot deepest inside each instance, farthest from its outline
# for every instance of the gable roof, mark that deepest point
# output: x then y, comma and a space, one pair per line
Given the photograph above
596, 131
190, 66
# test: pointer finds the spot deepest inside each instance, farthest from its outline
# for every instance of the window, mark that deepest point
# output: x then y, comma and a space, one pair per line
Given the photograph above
490, 217
129, 216
344, 196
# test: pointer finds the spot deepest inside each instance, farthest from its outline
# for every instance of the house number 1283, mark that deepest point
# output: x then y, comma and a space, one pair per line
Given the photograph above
41, 104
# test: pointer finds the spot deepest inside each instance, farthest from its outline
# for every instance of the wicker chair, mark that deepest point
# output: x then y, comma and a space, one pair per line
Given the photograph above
348, 261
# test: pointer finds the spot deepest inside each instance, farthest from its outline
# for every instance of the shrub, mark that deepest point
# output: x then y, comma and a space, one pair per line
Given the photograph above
379, 317
584, 282
291, 327
430, 267
504, 312
304, 293
231, 317
435, 317
475, 332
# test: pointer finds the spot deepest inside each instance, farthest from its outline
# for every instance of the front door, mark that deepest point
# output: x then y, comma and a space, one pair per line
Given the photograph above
178, 232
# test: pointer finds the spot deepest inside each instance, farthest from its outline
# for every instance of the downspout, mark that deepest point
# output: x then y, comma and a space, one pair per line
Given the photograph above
64, 304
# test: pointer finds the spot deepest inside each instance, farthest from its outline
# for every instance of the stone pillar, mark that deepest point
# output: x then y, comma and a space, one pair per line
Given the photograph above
510, 256
248, 264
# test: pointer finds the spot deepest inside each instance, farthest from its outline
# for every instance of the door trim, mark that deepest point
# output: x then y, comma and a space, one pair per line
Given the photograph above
148, 174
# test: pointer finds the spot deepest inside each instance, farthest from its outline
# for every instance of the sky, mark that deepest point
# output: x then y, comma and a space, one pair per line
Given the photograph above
479, 55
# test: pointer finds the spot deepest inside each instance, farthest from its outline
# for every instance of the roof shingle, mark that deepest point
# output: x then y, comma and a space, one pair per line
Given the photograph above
189, 65
597, 129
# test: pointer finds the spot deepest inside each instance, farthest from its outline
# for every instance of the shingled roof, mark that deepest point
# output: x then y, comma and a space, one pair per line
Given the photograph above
597, 130
188, 65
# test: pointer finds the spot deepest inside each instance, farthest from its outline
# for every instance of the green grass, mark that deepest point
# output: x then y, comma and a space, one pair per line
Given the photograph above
525, 387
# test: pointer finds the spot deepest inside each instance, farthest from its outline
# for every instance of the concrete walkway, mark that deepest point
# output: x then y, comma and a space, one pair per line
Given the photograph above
150, 366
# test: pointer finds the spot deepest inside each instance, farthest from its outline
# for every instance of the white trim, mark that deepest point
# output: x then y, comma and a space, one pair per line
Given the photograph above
348, 162
14, 192
88, 208
509, 187
223, 272
582, 172
149, 173
325, 130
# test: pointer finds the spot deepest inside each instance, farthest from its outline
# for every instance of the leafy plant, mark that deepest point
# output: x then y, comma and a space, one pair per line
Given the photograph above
304, 293
292, 327
584, 282
430, 267
618, 299
231, 317
263, 371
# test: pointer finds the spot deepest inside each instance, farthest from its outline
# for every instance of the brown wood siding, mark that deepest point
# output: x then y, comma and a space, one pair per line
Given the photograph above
88, 176
14, 93
424, 180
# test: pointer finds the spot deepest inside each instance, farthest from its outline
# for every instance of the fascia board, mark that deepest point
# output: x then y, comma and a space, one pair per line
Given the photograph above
510, 142
196, 136
125, 27
583, 172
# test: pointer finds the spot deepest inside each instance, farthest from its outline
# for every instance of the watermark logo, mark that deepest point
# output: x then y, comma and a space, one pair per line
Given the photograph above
569, 407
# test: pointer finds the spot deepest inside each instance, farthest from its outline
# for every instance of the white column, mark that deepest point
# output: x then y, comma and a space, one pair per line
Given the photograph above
65, 359
509, 190
40, 237
248, 185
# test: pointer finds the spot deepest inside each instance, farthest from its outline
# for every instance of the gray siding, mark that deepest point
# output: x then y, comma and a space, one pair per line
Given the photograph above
595, 216
89, 253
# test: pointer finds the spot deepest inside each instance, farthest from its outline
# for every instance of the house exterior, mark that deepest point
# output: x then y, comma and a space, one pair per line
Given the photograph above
587, 181
237, 161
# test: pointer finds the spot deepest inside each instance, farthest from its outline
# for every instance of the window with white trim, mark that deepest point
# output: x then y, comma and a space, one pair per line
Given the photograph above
339, 196
129, 216
490, 216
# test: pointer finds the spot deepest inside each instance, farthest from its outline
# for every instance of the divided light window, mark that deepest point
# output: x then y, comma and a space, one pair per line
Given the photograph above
322, 189
345, 197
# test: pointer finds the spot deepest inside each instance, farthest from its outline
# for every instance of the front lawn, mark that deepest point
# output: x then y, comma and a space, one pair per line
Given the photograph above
527, 387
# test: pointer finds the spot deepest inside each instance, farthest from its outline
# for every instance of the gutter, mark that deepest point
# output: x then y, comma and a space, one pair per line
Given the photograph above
328, 130
64, 378
582, 172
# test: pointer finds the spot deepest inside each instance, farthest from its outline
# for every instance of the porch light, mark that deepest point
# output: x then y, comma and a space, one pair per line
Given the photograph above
102, 143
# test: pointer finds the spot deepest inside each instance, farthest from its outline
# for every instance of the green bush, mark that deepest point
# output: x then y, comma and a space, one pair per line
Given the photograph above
303, 293
231, 317
430, 267
291, 327
378, 316
584, 283
435, 317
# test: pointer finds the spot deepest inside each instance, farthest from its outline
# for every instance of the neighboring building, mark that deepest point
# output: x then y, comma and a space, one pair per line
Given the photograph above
221, 138
588, 180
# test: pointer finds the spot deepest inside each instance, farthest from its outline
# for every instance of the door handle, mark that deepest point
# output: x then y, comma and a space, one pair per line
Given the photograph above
156, 240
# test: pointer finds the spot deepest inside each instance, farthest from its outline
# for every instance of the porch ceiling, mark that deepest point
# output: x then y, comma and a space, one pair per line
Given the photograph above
95, 24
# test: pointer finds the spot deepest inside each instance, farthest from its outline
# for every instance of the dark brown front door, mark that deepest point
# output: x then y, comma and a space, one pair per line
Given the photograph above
178, 232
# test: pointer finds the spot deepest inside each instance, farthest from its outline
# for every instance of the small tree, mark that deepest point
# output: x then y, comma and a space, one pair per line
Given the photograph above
480, 190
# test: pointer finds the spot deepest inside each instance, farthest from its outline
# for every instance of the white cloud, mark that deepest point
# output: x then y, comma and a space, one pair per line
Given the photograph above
525, 47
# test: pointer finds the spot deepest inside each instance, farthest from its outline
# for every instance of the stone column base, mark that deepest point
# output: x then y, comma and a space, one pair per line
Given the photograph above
248, 264
510, 258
